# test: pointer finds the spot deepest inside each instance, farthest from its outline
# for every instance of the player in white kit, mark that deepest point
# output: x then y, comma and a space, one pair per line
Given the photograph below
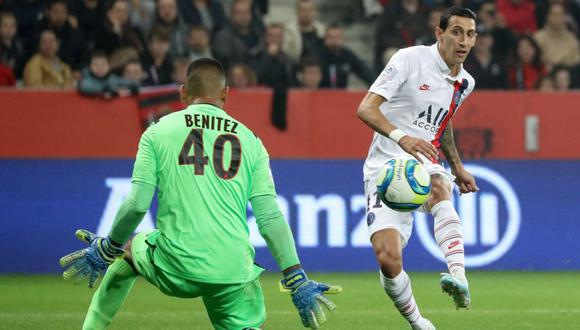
410, 107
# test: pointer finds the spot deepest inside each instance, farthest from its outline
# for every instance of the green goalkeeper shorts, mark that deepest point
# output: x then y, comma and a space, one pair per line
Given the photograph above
229, 306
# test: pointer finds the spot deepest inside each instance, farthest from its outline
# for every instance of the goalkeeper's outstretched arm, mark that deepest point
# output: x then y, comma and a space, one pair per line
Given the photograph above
132, 211
307, 295
94, 260
275, 230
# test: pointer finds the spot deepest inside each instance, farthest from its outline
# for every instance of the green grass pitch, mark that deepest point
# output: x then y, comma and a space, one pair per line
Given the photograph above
501, 300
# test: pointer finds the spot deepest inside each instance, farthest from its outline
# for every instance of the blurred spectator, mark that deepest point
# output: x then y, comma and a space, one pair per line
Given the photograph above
259, 10
562, 79
157, 61
310, 74
271, 64
6, 5
45, 69
503, 39
558, 45
180, 66
489, 73
142, 13
241, 76
339, 61
572, 8
274, 69
121, 57
238, 41
72, 47
208, 13
168, 17
133, 71
372, 8
116, 31
198, 43
90, 15
28, 14
303, 37
527, 68
401, 23
7, 77
545, 83
98, 80
11, 50
260, 7
428, 38
519, 15
575, 73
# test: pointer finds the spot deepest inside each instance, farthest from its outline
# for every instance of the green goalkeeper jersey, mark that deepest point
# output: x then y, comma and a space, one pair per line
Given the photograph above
207, 166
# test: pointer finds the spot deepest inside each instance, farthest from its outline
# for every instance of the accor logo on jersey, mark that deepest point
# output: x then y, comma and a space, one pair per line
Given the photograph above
430, 120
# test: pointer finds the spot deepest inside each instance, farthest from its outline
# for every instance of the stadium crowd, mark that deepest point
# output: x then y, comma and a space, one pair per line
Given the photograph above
112, 47
521, 44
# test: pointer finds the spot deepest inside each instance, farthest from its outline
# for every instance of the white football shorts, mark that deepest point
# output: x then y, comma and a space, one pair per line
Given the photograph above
380, 216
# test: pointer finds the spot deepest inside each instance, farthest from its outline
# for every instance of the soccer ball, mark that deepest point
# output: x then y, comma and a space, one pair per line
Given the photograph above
403, 184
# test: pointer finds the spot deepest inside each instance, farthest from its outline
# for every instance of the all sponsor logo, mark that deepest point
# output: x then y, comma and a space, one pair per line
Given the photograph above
491, 220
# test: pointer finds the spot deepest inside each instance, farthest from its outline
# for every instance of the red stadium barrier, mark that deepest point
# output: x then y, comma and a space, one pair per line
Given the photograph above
63, 124
321, 124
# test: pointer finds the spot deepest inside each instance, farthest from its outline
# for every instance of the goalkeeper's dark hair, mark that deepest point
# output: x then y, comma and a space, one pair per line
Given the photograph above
205, 62
455, 11
205, 76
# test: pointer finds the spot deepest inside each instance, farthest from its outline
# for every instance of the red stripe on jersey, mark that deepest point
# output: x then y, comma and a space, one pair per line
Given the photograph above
458, 88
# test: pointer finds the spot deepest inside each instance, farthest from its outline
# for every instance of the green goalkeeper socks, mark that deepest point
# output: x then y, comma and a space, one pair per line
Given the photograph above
110, 295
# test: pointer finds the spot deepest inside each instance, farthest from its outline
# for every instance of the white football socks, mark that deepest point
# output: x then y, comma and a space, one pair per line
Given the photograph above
400, 292
449, 237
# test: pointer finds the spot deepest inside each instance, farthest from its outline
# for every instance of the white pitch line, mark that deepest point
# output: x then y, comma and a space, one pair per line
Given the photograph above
452, 311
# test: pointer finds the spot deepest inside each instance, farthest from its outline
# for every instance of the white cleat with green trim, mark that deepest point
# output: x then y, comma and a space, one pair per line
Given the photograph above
456, 289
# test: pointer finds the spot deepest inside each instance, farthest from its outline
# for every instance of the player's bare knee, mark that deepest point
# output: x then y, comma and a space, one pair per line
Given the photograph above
440, 190
390, 261
387, 248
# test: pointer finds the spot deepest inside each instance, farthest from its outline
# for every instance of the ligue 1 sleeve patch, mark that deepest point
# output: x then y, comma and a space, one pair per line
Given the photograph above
389, 73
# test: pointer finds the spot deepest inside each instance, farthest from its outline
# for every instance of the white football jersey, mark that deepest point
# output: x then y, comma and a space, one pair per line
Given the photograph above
421, 98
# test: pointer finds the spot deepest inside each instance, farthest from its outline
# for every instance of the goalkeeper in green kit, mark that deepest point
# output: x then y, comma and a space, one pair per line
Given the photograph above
207, 167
